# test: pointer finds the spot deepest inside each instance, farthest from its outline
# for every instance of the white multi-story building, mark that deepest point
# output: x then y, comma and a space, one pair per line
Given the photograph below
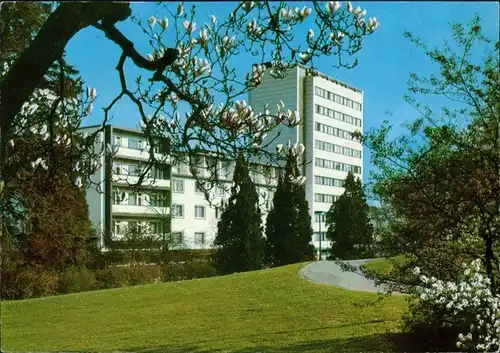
331, 111
114, 204
193, 218
170, 201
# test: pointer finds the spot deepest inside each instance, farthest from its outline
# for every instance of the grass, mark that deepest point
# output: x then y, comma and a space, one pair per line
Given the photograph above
262, 311
383, 265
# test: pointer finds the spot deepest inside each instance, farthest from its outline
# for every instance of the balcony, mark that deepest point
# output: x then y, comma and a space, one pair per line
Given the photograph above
134, 210
124, 180
140, 155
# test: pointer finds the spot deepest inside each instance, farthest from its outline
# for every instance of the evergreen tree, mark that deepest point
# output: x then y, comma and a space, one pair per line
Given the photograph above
239, 240
349, 227
288, 224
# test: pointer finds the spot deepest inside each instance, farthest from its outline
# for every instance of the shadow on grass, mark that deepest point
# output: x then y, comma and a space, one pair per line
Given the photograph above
390, 342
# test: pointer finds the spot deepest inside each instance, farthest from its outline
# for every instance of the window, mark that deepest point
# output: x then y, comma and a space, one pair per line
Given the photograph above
178, 185
199, 238
177, 238
153, 200
177, 211
219, 191
133, 143
217, 212
197, 188
133, 169
132, 199
117, 227
199, 211
317, 236
117, 141
319, 217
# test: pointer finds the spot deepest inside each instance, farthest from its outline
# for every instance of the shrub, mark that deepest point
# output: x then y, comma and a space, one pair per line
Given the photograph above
74, 280
28, 282
450, 315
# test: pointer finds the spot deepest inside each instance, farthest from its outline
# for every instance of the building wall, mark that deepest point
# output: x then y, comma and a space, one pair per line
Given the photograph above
95, 198
298, 92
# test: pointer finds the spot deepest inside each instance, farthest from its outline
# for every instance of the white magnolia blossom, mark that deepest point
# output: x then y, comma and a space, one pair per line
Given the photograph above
11, 143
202, 38
253, 29
189, 26
201, 67
286, 14
76, 167
373, 24
310, 35
248, 5
78, 182
472, 297
358, 12
39, 162
332, 6
257, 73
228, 42
305, 56
90, 109
213, 19
349, 6
91, 93
163, 23
302, 14
152, 21
336, 37
180, 9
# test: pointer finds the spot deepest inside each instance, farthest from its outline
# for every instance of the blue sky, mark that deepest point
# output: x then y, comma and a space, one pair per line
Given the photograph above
385, 62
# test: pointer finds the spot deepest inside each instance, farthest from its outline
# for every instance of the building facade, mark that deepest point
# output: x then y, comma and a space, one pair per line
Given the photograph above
169, 202
331, 111
114, 203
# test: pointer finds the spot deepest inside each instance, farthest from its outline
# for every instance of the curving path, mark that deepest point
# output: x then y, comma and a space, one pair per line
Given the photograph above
329, 273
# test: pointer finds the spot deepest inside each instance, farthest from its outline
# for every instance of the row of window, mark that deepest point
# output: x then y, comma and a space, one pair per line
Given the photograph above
199, 211
143, 228
325, 198
132, 143
330, 147
330, 130
178, 187
337, 115
343, 167
320, 235
138, 199
131, 169
337, 98
321, 180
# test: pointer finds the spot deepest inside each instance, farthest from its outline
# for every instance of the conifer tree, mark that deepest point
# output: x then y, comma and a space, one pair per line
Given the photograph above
239, 240
288, 224
349, 227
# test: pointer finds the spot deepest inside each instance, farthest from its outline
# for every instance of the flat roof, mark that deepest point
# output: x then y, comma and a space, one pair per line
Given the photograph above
325, 76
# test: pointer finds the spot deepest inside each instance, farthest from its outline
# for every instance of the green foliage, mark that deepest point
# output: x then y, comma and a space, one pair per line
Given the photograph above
288, 224
74, 280
349, 227
239, 241
441, 179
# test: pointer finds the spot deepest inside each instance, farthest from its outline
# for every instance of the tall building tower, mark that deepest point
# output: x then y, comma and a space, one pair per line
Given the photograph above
331, 111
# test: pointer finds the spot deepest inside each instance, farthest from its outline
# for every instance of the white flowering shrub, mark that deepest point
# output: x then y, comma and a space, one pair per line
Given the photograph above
465, 313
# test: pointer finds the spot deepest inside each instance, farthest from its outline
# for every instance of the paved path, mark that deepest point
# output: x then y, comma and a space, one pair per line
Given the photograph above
329, 273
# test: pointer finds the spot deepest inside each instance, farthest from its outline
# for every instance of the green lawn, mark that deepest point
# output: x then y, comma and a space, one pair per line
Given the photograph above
269, 310
383, 264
